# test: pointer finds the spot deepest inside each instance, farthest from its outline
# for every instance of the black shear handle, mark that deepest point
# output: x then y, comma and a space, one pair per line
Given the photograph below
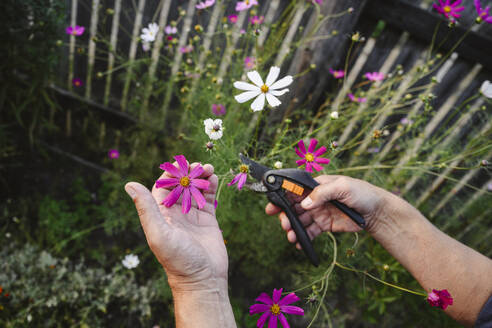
302, 236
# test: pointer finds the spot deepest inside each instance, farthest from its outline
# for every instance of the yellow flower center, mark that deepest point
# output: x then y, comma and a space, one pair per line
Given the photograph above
184, 181
74, 32
447, 9
244, 168
246, 2
275, 309
264, 88
309, 157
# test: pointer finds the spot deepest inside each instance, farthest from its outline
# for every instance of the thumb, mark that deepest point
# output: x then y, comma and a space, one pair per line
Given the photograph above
147, 209
319, 196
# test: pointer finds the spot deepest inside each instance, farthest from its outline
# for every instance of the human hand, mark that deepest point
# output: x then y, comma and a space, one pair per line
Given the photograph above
318, 215
189, 246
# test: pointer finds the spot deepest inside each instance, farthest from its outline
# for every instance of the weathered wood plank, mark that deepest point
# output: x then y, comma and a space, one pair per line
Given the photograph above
112, 49
91, 56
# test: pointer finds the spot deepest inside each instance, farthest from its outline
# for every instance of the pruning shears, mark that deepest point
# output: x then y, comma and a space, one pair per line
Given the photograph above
275, 183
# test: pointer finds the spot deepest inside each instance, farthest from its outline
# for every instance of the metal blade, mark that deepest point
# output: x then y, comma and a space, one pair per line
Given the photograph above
256, 170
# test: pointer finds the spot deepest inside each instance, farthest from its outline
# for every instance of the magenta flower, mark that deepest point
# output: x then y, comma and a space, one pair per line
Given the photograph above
357, 99
244, 5
311, 158
440, 298
184, 182
448, 9
255, 20
483, 13
186, 49
113, 153
249, 62
216, 203
232, 19
241, 177
77, 82
337, 74
75, 30
319, 2
374, 76
205, 4
274, 309
218, 109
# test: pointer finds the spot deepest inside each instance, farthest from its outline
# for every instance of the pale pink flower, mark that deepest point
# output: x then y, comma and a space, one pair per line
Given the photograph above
249, 62
255, 20
205, 4
374, 76
357, 99
75, 30
186, 49
170, 29
244, 5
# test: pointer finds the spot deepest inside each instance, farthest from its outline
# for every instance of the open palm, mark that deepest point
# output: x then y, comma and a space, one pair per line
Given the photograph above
189, 246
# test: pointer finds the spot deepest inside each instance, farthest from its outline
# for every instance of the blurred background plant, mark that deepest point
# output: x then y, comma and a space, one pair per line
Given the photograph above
419, 128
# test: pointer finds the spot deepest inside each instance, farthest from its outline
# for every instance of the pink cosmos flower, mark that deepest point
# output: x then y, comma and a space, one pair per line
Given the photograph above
249, 62
274, 309
232, 19
75, 30
374, 76
483, 13
448, 9
311, 158
255, 20
77, 82
186, 49
241, 177
184, 182
244, 5
440, 298
205, 4
357, 99
218, 109
113, 153
337, 74
216, 204
406, 121
170, 30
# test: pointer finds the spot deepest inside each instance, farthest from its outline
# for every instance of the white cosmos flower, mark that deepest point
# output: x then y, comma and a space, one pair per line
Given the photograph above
130, 261
269, 90
213, 128
334, 115
486, 89
149, 33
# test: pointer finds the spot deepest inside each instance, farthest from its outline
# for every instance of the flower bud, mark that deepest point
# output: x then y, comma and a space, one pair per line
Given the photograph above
334, 115
278, 165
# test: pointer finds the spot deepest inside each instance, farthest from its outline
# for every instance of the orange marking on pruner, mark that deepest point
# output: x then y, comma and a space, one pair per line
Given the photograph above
292, 187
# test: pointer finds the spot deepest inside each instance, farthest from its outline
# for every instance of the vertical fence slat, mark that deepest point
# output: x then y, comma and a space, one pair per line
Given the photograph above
112, 49
443, 111
91, 55
71, 53
132, 53
207, 41
455, 130
156, 49
291, 33
270, 15
226, 58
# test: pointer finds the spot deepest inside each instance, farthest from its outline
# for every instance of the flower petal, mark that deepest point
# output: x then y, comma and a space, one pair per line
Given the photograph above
255, 77
186, 202
316, 166
173, 196
234, 180
288, 299
320, 151
278, 92
272, 75
261, 321
277, 293
322, 160
301, 155
245, 96
309, 167
196, 172
197, 195
168, 167
312, 145
200, 183
257, 308
165, 183
272, 322
302, 148
264, 298
259, 103
183, 164
283, 320
242, 180
282, 83
245, 86
301, 162
272, 100
290, 309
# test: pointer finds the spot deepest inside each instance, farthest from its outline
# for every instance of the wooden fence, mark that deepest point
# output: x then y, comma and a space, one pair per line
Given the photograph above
398, 35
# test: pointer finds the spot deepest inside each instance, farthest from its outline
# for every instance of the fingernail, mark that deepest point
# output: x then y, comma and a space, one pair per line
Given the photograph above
306, 202
131, 192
